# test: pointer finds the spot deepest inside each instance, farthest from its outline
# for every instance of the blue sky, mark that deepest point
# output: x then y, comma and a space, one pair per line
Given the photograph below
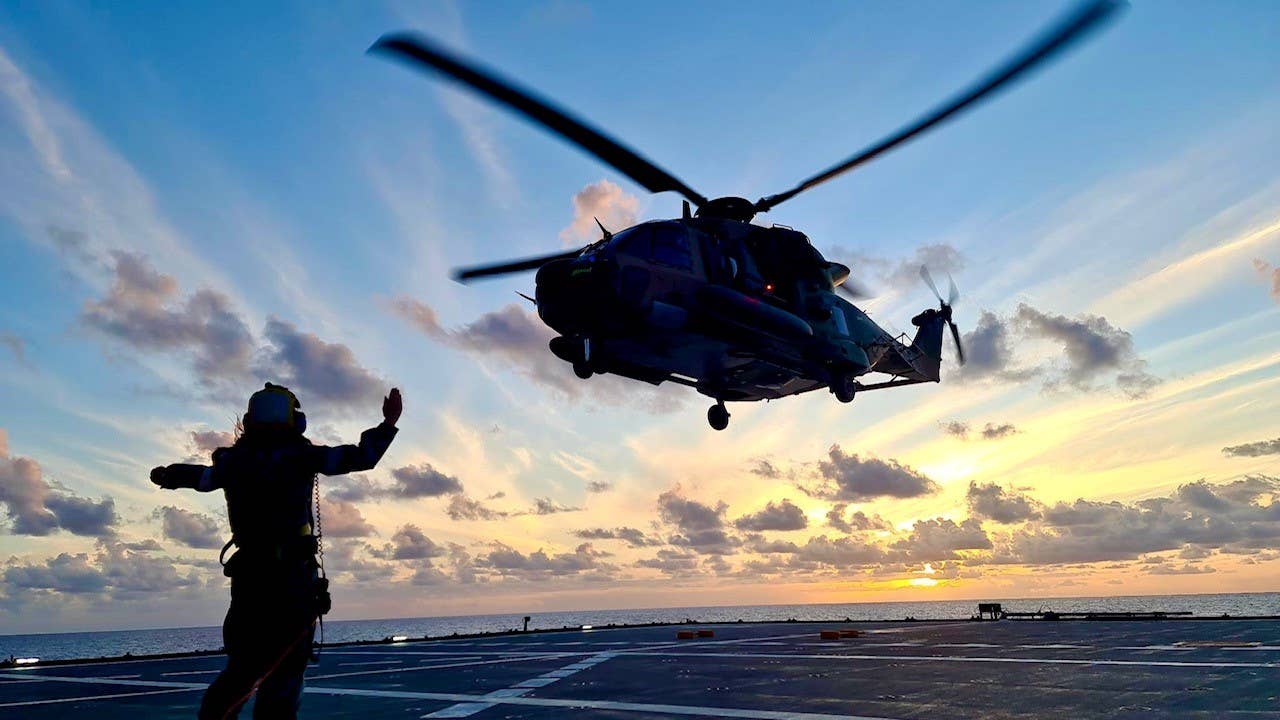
258, 155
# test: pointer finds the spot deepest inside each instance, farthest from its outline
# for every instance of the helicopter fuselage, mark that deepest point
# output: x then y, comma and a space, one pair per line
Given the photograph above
686, 301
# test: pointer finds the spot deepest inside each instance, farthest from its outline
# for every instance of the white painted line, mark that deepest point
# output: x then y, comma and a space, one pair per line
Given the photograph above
1159, 648
414, 668
965, 645
468, 653
574, 704
104, 681
522, 688
90, 698
964, 659
191, 672
1058, 646
371, 662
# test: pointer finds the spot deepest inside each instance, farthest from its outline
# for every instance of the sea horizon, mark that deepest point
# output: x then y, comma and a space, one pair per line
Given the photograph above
76, 644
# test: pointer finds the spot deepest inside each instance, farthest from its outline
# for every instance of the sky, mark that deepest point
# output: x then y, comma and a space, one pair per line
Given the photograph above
195, 199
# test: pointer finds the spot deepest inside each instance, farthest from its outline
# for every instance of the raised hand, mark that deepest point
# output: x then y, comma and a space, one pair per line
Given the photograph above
392, 406
158, 476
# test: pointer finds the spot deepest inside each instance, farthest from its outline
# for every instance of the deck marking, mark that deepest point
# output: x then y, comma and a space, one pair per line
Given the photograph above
575, 704
416, 668
190, 672
963, 658
371, 662
89, 698
522, 688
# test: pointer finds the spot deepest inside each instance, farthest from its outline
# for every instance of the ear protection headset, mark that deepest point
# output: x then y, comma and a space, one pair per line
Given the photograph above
274, 406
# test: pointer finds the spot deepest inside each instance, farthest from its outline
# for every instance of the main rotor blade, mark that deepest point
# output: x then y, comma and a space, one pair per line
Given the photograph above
429, 55
1073, 27
475, 272
953, 293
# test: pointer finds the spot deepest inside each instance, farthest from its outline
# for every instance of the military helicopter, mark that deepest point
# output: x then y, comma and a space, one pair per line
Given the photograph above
739, 311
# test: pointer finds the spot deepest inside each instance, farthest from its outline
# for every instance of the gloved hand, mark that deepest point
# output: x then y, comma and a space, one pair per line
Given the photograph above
159, 476
392, 406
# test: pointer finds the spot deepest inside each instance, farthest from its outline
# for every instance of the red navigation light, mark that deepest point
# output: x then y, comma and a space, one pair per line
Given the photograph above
768, 288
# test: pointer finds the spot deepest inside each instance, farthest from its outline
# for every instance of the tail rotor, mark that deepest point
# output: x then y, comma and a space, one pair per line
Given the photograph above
944, 306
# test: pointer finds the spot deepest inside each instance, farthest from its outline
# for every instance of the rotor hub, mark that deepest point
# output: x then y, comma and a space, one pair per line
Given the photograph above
728, 208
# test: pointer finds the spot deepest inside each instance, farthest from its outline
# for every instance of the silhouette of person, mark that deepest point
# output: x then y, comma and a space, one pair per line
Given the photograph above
278, 591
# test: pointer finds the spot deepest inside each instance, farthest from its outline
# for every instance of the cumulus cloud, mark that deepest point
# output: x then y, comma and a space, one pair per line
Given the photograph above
352, 488
1093, 352
515, 337
206, 441
410, 543
697, 525
858, 521
547, 506
633, 537
990, 431
1254, 449
307, 364
114, 570
541, 565
599, 486
850, 478
615, 208
992, 502
774, 516
192, 529
143, 309
461, 507
940, 538
1241, 514
341, 519
36, 507
676, 563
1091, 348
417, 481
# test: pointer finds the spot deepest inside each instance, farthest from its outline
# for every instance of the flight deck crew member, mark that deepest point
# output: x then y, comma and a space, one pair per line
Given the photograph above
277, 592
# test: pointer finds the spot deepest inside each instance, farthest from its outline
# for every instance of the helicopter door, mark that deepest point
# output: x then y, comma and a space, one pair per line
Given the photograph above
676, 268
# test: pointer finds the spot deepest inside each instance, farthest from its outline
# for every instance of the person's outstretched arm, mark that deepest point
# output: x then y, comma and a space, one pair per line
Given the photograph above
374, 442
185, 475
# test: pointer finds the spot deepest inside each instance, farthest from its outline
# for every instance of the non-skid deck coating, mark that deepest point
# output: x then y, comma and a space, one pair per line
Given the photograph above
1226, 669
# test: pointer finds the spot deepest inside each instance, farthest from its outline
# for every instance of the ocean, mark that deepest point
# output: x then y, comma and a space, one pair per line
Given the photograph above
63, 646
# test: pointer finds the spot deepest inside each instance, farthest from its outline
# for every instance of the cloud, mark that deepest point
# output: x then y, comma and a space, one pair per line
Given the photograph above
903, 273
65, 573
631, 536
515, 337
206, 441
993, 502
1254, 449
1093, 351
599, 486
698, 526
410, 543
353, 488
35, 507
676, 563
142, 309
603, 200
462, 507
1184, 569
1269, 274
417, 481
780, 516
858, 521
1243, 513
114, 570
192, 529
940, 538
541, 565
341, 519
850, 478
307, 364
1091, 347
546, 506
764, 468
990, 431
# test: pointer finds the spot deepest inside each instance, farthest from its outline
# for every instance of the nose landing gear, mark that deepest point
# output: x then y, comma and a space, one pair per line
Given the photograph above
844, 386
718, 416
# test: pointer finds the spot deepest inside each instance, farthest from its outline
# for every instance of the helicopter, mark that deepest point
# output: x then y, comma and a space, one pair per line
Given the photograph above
736, 310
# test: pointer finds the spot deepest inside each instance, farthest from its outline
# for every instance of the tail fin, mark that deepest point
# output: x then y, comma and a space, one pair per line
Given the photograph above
928, 341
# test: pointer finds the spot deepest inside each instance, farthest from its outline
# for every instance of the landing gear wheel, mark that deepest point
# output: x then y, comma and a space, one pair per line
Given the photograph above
582, 370
718, 416
844, 387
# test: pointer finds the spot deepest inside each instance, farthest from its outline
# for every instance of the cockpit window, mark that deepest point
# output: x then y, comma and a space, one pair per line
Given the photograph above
671, 246
634, 241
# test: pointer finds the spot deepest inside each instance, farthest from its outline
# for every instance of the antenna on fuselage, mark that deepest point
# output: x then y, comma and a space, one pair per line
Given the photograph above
607, 235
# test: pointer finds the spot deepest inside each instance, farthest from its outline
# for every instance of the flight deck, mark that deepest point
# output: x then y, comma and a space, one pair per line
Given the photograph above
1184, 668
